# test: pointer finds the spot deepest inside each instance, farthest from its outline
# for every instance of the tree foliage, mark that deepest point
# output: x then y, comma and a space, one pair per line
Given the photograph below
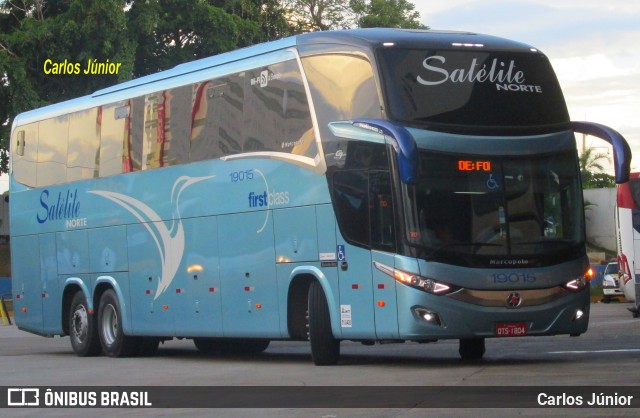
387, 14
592, 170
315, 15
170, 32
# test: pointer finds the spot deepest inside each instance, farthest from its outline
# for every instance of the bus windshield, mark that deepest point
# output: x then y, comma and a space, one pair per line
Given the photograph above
469, 209
462, 89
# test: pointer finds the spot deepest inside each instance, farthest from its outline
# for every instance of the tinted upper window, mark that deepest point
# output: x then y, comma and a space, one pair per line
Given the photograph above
343, 87
448, 89
264, 109
276, 112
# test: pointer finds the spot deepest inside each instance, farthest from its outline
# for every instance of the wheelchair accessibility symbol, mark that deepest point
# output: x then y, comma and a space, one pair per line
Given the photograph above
341, 253
492, 184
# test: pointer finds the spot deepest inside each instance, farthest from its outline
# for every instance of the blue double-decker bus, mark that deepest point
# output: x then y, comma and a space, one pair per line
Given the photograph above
369, 185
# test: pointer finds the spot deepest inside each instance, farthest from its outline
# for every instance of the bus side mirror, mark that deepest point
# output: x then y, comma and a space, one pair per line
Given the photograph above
403, 142
621, 150
383, 131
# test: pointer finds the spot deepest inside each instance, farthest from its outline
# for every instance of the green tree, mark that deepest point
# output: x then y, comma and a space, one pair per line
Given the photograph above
268, 14
387, 14
171, 32
317, 15
592, 170
34, 31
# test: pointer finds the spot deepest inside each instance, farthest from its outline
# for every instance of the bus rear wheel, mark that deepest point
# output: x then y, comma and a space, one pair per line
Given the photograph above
325, 349
82, 327
471, 348
114, 342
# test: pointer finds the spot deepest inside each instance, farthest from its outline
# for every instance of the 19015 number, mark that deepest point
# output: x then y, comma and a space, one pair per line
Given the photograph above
513, 278
242, 175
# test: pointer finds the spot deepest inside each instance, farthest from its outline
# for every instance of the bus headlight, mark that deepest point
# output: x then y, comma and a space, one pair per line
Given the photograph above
422, 283
580, 283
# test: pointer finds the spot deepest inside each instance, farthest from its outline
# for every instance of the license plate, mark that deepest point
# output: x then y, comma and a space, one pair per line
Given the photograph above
511, 329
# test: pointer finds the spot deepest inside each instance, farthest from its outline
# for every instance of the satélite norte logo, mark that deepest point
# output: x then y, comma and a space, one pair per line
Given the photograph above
63, 206
258, 200
504, 75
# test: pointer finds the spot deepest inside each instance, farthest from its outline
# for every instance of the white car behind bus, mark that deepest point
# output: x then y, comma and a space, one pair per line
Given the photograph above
610, 286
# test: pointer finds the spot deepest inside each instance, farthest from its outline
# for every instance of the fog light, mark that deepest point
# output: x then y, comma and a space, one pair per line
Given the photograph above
579, 314
429, 316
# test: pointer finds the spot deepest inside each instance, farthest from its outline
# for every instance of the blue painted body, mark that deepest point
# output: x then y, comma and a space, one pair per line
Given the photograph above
237, 261
228, 247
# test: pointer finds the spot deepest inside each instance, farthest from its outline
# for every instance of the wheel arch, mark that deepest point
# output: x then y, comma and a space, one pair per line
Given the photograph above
297, 304
104, 283
71, 286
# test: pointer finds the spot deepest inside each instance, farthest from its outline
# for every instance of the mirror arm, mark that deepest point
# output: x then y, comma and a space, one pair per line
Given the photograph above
621, 150
403, 142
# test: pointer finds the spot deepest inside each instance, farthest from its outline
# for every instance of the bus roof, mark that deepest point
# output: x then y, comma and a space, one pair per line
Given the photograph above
366, 38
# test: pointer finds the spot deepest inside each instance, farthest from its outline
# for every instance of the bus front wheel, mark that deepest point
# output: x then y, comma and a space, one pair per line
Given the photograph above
114, 342
82, 327
325, 349
472, 348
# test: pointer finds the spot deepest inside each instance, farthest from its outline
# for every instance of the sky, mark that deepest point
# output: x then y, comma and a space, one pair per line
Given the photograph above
593, 45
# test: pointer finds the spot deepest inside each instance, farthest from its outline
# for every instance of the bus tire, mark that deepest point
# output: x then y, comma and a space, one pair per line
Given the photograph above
114, 342
83, 331
471, 348
325, 349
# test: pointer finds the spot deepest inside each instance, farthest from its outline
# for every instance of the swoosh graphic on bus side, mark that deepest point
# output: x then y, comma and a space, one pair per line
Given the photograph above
169, 240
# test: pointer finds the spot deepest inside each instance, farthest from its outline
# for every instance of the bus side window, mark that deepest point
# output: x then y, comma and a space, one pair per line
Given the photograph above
154, 134
84, 144
114, 133
351, 202
177, 125
167, 128
277, 116
216, 118
53, 145
343, 87
364, 207
381, 207
133, 141
24, 164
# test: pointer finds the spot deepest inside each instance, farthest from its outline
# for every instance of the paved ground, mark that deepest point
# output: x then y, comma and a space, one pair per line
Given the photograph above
607, 355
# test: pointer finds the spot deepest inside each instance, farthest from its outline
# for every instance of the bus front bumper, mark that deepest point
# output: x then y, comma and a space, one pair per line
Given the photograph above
487, 314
